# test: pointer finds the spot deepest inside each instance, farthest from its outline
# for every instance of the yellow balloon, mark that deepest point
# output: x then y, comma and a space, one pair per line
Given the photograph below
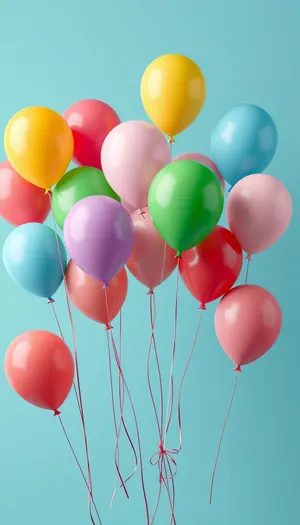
39, 145
173, 93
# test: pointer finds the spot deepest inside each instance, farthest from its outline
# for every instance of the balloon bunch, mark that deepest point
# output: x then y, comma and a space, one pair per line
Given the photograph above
129, 203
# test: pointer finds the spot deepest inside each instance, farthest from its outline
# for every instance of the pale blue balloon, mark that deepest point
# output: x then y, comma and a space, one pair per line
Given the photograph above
243, 142
31, 258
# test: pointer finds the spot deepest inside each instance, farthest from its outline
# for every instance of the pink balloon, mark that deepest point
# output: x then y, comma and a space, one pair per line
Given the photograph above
152, 260
90, 121
132, 154
128, 208
205, 161
247, 322
259, 210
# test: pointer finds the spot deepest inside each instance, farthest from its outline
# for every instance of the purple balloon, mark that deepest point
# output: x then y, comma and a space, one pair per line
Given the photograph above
99, 236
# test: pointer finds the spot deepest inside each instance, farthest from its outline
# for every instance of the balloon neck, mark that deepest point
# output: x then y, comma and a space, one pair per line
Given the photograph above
48, 191
248, 257
178, 255
108, 327
141, 212
105, 286
56, 412
202, 306
50, 300
150, 291
229, 189
238, 368
171, 140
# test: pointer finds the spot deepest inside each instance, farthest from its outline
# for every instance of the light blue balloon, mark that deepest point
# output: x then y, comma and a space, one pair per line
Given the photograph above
31, 259
243, 142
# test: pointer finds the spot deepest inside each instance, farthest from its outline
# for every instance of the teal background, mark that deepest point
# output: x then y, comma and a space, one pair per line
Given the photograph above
54, 53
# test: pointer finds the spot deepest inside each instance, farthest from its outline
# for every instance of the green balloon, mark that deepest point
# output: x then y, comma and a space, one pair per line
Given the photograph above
75, 185
185, 202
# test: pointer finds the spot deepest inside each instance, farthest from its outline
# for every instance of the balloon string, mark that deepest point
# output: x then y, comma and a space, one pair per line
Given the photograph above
122, 423
248, 258
183, 378
163, 263
81, 471
81, 410
136, 426
152, 344
238, 370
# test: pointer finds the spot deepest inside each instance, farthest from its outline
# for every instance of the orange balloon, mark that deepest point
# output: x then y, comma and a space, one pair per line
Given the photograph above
89, 296
39, 366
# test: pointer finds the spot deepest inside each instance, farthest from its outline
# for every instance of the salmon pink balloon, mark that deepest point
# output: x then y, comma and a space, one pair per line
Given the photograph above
211, 268
21, 201
132, 154
247, 323
90, 298
151, 260
205, 161
39, 367
259, 210
90, 121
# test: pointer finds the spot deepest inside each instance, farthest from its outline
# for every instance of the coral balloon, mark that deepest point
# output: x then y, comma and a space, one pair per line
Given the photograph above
173, 93
132, 154
244, 141
212, 267
39, 367
39, 145
185, 202
205, 161
91, 299
98, 234
75, 185
259, 210
32, 260
247, 322
151, 260
90, 121
20, 201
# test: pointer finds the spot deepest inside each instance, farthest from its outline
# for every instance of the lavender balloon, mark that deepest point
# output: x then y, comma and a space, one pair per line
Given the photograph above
99, 236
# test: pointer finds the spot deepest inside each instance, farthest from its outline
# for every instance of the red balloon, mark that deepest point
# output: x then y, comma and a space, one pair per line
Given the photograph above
210, 269
90, 121
20, 201
89, 296
39, 366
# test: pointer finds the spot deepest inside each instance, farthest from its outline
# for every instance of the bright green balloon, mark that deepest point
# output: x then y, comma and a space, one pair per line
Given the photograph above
185, 202
75, 185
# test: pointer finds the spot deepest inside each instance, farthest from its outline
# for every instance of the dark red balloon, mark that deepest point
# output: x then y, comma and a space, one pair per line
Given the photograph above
210, 269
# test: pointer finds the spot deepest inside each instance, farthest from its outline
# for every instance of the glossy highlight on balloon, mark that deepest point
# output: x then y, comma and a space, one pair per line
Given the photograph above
31, 259
98, 234
39, 367
185, 203
21, 201
75, 185
132, 154
89, 296
212, 267
243, 142
90, 121
39, 145
173, 92
247, 322
259, 210
151, 261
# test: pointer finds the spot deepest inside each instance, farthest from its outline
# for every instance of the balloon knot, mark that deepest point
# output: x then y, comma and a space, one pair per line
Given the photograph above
150, 291
238, 369
48, 191
248, 258
178, 255
202, 306
108, 327
56, 412
50, 300
105, 286
142, 213
229, 189
171, 140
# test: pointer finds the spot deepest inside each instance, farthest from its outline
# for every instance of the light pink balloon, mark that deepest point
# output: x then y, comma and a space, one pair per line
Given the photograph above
205, 161
132, 154
259, 210
247, 322
152, 260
